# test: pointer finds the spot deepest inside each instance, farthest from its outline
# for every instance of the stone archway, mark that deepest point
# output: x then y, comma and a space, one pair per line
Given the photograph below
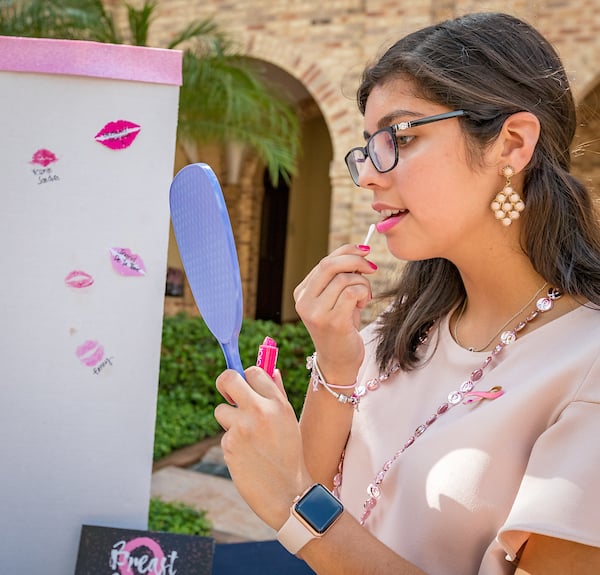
280, 239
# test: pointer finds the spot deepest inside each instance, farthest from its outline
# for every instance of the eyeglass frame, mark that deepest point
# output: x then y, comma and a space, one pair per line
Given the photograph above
392, 130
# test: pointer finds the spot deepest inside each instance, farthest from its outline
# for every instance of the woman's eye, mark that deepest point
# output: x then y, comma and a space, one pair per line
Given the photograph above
404, 140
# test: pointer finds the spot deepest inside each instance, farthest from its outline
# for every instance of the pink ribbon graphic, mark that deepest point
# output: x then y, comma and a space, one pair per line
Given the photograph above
153, 546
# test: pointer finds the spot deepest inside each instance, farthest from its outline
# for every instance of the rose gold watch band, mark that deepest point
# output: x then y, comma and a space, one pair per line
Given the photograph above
295, 534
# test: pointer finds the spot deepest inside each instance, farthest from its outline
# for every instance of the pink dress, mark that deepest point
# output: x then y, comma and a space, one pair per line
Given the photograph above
466, 495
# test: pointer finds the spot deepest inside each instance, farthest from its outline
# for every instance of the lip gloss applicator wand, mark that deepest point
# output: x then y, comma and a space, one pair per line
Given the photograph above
369, 234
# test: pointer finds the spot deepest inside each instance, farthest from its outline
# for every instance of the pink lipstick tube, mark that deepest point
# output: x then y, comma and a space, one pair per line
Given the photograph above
267, 355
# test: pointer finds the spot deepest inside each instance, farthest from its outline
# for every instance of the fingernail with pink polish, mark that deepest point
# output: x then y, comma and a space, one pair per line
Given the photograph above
363, 247
373, 266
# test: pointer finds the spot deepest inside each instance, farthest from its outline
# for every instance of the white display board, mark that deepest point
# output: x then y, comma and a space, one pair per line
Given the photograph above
87, 144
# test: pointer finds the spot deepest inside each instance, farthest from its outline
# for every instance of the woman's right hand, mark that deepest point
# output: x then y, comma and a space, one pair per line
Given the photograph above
329, 302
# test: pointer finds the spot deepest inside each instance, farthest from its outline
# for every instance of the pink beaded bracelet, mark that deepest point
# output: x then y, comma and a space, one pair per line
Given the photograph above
317, 379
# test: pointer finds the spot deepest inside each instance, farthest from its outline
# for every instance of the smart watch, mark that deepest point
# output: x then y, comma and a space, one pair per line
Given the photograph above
311, 515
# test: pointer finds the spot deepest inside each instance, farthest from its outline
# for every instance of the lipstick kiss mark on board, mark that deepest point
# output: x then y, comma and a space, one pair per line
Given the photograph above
90, 353
79, 279
43, 158
118, 135
126, 263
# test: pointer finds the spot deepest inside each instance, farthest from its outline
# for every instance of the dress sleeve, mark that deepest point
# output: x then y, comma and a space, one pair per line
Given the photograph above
558, 496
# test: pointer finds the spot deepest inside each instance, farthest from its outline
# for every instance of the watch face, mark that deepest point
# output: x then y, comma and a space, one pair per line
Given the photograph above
319, 508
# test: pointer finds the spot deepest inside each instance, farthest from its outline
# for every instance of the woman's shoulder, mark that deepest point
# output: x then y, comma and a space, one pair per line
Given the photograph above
585, 318
571, 346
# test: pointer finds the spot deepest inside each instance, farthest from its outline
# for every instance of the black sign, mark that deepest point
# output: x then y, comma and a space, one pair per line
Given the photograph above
111, 551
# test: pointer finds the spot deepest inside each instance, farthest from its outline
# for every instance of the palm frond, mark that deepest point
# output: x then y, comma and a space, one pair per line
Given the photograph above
70, 19
140, 21
224, 99
203, 36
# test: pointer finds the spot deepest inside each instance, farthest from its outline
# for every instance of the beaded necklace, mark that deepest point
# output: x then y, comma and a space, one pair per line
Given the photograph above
489, 341
464, 394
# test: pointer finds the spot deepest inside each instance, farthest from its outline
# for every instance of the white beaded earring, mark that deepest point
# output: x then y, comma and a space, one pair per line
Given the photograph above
507, 205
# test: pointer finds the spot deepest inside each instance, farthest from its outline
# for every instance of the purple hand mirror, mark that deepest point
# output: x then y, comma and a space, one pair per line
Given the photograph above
207, 248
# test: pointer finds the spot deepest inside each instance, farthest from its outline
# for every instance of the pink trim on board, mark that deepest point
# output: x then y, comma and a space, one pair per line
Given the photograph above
80, 58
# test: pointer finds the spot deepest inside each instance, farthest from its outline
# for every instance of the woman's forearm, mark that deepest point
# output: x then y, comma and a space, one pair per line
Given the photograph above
349, 548
324, 425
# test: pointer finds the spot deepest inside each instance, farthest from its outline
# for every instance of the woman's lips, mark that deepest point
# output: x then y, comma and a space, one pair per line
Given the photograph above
118, 135
387, 224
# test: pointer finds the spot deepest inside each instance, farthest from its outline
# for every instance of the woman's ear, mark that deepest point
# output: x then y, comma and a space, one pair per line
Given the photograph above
517, 140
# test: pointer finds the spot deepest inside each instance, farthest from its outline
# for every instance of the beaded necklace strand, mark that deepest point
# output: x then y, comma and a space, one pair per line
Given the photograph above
454, 398
489, 342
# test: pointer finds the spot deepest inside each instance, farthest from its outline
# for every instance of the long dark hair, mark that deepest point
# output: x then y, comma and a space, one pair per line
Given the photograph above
493, 65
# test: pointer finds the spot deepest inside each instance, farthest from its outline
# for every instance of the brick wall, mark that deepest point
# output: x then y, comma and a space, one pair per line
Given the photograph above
325, 45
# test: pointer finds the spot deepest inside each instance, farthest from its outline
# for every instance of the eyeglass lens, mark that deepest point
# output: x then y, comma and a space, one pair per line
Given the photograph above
381, 149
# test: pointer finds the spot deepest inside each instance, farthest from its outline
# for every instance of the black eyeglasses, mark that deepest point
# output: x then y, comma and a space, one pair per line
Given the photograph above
382, 146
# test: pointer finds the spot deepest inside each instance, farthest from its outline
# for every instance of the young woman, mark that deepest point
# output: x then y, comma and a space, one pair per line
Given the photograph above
460, 429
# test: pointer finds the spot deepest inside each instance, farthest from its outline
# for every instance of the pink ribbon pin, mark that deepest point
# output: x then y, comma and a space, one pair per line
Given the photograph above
473, 396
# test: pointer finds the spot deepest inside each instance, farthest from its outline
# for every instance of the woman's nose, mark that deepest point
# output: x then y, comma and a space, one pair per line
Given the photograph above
368, 175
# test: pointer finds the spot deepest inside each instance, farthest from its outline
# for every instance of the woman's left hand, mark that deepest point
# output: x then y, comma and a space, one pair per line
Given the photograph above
262, 445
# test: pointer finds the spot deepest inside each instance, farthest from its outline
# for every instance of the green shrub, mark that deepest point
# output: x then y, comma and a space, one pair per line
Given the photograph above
191, 359
177, 518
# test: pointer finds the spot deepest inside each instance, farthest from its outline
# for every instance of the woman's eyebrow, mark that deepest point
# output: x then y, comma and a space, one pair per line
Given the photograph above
391, 118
